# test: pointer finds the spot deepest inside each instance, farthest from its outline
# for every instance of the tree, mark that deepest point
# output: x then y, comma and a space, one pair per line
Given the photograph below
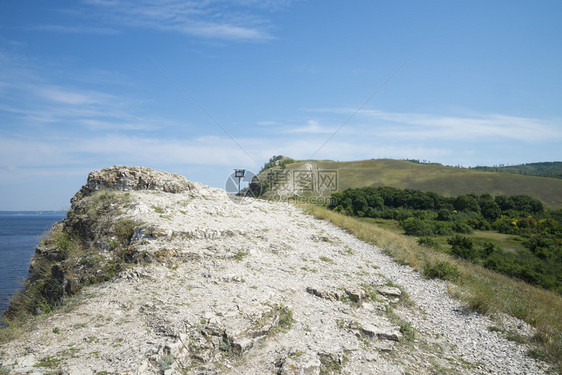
490, 209
466, 203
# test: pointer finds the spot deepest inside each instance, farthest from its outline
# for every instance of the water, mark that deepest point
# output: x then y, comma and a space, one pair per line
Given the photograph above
19, 235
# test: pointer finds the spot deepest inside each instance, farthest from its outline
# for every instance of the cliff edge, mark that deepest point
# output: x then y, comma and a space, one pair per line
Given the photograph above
160, 275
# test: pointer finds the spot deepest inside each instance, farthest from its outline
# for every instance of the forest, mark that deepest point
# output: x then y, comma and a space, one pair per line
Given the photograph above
464, 227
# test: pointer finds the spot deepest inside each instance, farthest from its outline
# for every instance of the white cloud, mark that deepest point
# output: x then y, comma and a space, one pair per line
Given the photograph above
438, 127
76, 29
64, 95
43, 104
311, 127
235, 20
267, 123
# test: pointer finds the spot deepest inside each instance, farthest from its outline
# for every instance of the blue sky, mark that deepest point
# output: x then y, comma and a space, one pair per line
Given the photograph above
94, 83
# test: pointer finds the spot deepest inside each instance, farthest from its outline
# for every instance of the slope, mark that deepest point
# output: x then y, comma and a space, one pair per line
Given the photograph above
448, 181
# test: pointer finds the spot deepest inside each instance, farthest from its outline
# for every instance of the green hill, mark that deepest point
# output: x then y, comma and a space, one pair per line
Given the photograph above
545, 169
448, 181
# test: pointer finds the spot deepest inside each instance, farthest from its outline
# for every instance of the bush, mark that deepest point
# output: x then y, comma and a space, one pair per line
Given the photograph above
417, 227
506, 225
461, 227
442, 228
124, 229
444, 215
429, 242
478, 222
441, 270
462, 247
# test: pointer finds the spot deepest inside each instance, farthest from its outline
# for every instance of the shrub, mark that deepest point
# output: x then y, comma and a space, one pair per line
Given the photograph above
461, 227
429, 242
478, 222
166, 362
445, 215
441, 270
462, 247
442, 228
506, 224
124, 230
417, 227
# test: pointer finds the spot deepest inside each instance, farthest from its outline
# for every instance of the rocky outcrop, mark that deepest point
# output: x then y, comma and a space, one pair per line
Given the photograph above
122, 178
176, 278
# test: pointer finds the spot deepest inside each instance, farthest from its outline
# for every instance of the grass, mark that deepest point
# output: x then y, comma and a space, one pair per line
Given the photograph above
480, 289
48, 362
448, 181
239, 256
329, 364
285, 321
166, 362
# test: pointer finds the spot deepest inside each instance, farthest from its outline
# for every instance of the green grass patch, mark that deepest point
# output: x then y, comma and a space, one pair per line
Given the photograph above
285, 321
329, 364
48, 362
240, 255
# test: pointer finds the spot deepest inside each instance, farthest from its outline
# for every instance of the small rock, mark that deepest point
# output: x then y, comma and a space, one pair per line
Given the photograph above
383, 346
242, 345
203, 356
27, 361
381, 333
305, 365
390, 291
326, 294
368, 306
356, 294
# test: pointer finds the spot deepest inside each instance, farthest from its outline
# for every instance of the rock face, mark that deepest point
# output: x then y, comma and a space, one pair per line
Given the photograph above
133, 178
186, 281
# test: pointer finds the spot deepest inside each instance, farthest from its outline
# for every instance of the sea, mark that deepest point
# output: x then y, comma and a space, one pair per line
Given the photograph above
20, 233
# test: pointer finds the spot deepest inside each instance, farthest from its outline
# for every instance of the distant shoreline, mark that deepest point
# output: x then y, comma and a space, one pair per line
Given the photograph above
32, 213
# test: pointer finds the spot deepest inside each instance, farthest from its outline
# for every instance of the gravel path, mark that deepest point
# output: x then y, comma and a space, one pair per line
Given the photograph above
467, 333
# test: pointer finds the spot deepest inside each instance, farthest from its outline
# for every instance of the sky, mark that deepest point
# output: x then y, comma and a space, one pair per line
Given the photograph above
199, 88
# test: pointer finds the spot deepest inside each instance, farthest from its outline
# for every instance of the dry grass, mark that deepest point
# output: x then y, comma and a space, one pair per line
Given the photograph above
482, 290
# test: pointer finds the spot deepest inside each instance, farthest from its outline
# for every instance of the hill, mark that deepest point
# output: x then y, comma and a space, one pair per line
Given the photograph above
159, 275
544, 169
444, 180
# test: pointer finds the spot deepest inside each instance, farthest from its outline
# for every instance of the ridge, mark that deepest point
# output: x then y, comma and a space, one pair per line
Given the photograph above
173, 277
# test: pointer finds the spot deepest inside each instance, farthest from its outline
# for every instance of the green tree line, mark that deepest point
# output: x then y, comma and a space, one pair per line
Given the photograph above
428, 215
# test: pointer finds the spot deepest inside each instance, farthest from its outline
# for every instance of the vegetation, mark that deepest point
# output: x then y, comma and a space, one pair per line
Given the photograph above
424, 214
481, 289
329, 364
545, 169
166, 362
277, 161
443, 180
441, 270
